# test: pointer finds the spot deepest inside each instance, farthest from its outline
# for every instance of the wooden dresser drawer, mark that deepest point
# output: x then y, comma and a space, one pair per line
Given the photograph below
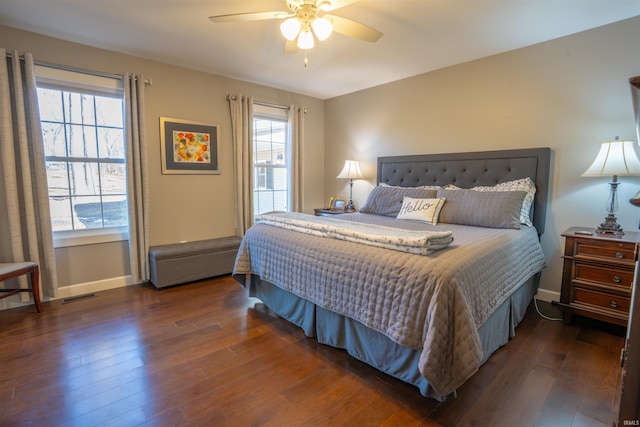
623, 253
618, 277
606, 301
598, 274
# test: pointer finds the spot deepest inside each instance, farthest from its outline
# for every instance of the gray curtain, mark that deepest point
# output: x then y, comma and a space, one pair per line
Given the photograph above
25, 219
242, 135
137, 177
296, 126
635, 97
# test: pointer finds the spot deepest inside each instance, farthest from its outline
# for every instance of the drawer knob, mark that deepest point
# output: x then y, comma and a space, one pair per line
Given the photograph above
613, 304
617, 279
619, 255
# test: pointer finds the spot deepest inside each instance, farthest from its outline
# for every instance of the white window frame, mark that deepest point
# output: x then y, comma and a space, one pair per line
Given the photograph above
63, 79
279, 114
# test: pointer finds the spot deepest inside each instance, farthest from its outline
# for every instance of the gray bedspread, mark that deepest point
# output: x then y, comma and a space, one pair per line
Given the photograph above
431, 302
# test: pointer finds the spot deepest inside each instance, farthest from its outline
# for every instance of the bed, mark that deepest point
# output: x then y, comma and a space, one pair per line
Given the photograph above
425, 301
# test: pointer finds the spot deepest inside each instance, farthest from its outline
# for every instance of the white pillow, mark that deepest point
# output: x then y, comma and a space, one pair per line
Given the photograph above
427, 210
524, 184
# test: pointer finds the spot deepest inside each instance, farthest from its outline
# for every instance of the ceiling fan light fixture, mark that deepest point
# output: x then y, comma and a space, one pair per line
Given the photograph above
290, 28
322, 27
305, 40
323, 5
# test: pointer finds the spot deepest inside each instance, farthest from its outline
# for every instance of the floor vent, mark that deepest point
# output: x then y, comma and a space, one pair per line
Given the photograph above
78, 298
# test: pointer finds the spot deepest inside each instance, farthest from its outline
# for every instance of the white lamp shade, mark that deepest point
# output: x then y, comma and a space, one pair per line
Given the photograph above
305, 40
290, 28
322, 27
351, 170
615, 158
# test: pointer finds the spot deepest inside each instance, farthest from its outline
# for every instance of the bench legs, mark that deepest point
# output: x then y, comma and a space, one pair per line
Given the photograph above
34, 271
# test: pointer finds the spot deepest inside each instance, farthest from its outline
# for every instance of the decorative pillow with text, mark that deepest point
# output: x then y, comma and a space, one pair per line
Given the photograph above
388, 200
427, 210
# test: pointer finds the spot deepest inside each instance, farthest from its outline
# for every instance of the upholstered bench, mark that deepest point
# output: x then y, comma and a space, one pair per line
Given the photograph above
186, 262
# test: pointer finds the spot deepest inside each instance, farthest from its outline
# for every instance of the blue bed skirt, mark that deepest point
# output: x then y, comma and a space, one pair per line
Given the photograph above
376, 349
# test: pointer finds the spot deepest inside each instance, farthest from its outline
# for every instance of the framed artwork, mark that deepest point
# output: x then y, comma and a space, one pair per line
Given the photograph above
188, 147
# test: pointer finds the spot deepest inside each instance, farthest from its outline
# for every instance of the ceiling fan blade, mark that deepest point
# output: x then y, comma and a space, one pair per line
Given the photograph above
291, 46
252, 16
354, 29
337, 4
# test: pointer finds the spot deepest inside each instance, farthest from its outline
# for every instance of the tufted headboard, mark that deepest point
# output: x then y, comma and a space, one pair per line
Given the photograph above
468, 170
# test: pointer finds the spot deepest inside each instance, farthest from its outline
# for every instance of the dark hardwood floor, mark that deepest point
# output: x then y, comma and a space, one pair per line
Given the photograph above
205, 354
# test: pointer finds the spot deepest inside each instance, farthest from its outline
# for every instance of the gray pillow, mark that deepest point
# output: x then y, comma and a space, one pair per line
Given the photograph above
494, 209
388, 200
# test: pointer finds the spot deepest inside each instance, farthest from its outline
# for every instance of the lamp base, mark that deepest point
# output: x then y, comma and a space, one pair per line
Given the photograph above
610, 226
350, 206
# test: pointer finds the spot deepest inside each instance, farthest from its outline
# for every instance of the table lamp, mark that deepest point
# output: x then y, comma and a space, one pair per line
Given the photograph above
351, 171
615, 158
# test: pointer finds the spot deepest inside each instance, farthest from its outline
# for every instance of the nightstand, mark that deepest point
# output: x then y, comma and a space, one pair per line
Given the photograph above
597, 275
329, 212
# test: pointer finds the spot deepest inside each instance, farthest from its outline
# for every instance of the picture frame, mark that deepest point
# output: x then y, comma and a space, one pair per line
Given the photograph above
189, 147
337, 205
331, 199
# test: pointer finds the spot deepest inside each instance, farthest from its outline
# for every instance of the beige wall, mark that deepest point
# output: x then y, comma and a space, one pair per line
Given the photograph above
569, 94
183, 207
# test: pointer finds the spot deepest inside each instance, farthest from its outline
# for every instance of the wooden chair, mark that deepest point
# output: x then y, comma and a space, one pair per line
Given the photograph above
15, 269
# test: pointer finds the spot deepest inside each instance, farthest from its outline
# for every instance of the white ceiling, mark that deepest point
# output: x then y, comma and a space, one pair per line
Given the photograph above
419, 35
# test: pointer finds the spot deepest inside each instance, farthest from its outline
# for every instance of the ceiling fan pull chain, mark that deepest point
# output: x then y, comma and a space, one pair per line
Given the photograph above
306, 61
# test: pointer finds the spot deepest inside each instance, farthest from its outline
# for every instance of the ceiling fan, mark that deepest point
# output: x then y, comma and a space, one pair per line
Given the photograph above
307, 20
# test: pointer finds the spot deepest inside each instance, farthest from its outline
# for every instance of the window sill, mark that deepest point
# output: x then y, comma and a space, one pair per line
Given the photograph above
64, 239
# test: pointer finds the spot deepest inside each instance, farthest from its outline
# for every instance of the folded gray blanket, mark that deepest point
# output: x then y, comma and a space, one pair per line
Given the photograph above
410, 241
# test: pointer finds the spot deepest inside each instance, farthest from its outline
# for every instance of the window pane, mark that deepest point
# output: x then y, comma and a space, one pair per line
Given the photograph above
61, 214
114, 178
54, 139
84, 178
82, 141
260, 178
280, 179
115, 211
111, 143
50, 104
109, 111
279, 153
57, 179
79, 108
88, 211
280, 200
262, 152
278, 132
263, 201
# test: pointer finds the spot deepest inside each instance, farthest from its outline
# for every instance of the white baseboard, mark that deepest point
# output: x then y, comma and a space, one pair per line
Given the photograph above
89, 287
548, 296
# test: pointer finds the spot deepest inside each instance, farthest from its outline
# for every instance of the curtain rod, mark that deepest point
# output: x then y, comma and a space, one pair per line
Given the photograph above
147, 82
267, 104
264, 104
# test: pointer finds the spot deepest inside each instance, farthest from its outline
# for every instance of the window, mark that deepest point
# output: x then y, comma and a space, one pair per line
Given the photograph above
271, 147
83, 133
